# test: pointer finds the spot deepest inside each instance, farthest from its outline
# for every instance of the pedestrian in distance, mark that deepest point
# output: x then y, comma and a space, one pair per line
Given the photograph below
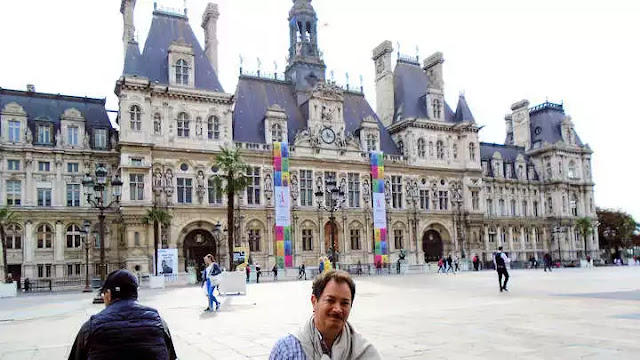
302, 272
500, 260
327, 334
275, 272
456, 263
125, 329
547, 262
441, 265
449, 263
359, 268
321, 267
476, 262
247, 269
258, 273
211, 279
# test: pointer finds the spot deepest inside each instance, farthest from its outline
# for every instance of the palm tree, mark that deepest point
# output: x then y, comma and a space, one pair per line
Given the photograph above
584, 227
232, 180
7, 216
157, 217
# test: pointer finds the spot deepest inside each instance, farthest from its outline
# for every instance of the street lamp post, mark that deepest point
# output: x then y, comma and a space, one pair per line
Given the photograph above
94, 191
336, 196
557, 230
85, 237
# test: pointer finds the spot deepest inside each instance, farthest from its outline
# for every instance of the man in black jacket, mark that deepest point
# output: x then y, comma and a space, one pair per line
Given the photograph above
125, 329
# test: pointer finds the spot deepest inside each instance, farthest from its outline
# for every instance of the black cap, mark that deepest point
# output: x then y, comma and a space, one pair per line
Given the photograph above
122, 283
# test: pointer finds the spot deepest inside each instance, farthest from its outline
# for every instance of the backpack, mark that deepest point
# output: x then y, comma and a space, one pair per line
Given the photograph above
216, 270
499, 261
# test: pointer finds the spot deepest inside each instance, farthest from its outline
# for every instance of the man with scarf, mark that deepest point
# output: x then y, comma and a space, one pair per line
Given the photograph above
327, 335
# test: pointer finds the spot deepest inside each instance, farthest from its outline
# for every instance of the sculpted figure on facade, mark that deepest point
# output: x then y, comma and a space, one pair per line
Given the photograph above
294, 188
366, 191
59, 138
157, 179
168, 179
268, 186
85, 140
28, 136
199, 126
200, 190
387, 191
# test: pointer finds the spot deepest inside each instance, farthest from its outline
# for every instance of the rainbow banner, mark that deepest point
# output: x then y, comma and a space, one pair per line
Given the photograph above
284, 251
379, 210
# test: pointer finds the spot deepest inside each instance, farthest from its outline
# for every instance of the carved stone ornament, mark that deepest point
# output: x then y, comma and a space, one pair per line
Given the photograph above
294, 187
268, 186
366, 191
327, 91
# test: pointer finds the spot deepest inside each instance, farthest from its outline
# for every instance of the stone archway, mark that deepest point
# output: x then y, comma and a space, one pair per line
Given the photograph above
432, 245
197, 244
327, 236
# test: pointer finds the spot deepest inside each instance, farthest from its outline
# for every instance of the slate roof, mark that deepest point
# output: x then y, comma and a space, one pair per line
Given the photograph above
255, 95
548, 119
410, 84
509, 155
152, 64
51, 107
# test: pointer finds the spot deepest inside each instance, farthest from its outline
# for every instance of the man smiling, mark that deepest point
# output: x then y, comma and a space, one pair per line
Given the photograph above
327, 334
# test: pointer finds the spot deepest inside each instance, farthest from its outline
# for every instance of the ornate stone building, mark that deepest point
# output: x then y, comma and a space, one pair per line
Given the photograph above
446, 191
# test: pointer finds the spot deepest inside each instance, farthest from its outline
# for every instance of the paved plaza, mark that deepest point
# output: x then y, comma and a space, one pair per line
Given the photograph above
567, 314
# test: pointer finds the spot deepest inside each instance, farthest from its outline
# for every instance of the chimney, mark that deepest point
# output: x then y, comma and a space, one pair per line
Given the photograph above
31, 88
521, 124
210, 26
385, 104
508, 120
128, 34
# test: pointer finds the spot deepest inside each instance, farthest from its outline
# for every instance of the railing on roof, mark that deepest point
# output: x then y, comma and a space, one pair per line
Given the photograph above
348, 87
546, 105
387, 157
253, 146
409, 59
262, 74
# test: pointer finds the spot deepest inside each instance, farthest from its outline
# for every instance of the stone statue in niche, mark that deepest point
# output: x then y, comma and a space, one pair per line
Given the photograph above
387, 191
157, 179
201, 190
268, 183
172, 134
59, 138
294, 187
199, 126
366, 191
327, 113
28, 136
168, 179
114, 140
85, 140
319, 185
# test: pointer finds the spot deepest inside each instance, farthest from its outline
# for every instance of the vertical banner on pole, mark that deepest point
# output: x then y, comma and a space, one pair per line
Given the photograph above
284, 254
379, 210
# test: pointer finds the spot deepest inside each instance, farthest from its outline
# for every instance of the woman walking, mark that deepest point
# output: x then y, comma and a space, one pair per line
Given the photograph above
211, 279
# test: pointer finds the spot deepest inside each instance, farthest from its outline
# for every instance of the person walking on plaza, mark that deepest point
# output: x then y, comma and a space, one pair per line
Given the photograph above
321, 266
476, 262
125, 329
500, 260
302, 272
456, 263
247, 269
547, 262
275, 272
441, 264
211, 279
257, 273
449, 263
327, 334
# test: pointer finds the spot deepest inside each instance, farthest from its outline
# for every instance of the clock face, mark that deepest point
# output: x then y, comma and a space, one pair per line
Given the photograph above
328, 136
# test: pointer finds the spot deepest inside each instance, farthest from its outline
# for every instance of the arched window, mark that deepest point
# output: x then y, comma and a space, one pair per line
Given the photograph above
44, 236
157, 124
372, 142
183, 125
276, 132
422, 148
574, 205
526, 235
13, 234
73, 236
401, 147
524, 208
135, 113
213, 128
492, 235
254, 239
440, 149
572, 170
182, 72
472, 151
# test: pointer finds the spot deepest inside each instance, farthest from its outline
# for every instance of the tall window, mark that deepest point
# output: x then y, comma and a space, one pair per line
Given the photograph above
72, 167
513, 208
185, 190
354, 190
424, 199
136, 238
14, 131
13, 165
14, 192
183, 125
44, 236
13, 234
440, 149
215, 194
475, 200
44, 134
501, 209
572, 170
73, 236
182, 72
100, 138
396, 192
422, 148
276, 132
254, 240
472, 151
549, 205
213, 128
253, 189
535, 208
397, 238
72, 135
574, 205
135, 114
73, 194
307, 239
443, 199
526, 235
329, 176
492, 235
489, 207
503, 236
372, 142
136, 186
157, 124
355, 239
437, 109
431, 149
44, 196
524, 208
401, 147
306, 188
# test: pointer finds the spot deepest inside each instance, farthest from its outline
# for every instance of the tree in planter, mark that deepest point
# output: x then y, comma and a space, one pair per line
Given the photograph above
584, 227
7, 216
231, 180
157, 217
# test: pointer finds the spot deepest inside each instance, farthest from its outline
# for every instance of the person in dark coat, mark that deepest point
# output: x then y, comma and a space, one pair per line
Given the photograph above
125, 329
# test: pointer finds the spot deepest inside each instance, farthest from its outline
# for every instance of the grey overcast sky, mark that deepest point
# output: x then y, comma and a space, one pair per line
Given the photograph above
585, 53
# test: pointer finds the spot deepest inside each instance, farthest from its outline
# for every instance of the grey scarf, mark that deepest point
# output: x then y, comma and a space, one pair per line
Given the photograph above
349, 345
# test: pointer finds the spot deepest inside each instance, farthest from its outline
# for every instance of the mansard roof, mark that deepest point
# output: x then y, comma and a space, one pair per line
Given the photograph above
153, 64
255, 95
463, 113
509, 155
546, 123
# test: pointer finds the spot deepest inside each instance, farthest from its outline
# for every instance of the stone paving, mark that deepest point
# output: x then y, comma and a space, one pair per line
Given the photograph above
567, 314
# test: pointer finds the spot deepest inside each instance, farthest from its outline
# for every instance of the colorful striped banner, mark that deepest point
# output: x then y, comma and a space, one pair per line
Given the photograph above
284, 251
379, 209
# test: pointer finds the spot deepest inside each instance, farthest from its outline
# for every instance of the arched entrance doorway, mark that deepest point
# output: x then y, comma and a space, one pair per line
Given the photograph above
197, 244
327, 237
432, 245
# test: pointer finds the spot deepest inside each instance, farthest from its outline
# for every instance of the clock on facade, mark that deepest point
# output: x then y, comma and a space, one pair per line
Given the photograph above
328, 135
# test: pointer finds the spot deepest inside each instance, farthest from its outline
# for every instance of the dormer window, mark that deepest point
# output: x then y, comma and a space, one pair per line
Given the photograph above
422, 148
437, 108
135, 118
72, 135
100, 138
372, 142
276, 133
182, 72
183, 125
14, 131
44, 134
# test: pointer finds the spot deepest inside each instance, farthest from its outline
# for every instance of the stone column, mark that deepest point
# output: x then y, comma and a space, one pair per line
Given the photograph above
29, 189
595, 244
58, 250
510, 239
487, 249
321, 234
58, 197
523, 246
271, 236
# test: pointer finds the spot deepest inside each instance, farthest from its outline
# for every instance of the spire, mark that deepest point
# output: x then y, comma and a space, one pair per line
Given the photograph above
463, 113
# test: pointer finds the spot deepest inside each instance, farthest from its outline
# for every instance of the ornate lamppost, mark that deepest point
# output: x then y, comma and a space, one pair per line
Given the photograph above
414, 197
94, 191
557, 230
336, 196
85, 241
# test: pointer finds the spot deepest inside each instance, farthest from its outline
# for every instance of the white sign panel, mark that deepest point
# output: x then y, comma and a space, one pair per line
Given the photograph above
167, 261
379, 212
282, 201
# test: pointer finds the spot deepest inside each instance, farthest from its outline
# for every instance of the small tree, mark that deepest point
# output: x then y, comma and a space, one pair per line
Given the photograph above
616, 228
157, 217
7, 216
584, 227
232, 180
